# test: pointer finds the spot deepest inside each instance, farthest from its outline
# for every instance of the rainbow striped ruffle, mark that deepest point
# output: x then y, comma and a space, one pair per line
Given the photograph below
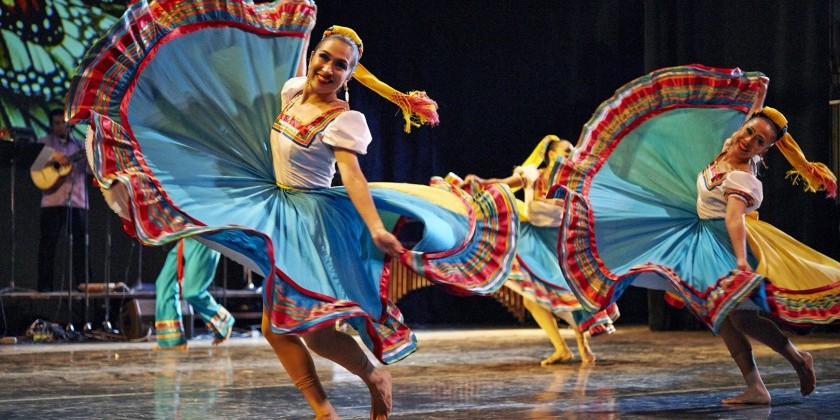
107, 71
535, 273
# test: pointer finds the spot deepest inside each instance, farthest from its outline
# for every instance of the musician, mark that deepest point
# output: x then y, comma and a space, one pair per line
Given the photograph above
64, 205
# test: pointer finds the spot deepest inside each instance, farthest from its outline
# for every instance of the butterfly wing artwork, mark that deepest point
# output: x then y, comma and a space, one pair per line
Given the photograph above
41, 45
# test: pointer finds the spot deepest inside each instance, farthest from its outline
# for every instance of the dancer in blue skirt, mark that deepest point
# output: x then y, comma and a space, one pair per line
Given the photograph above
200, 129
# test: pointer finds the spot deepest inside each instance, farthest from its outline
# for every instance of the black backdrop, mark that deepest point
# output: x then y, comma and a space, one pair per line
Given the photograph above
506, 74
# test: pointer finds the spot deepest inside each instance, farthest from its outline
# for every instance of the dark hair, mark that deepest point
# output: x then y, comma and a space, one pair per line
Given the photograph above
55, 111
552, 145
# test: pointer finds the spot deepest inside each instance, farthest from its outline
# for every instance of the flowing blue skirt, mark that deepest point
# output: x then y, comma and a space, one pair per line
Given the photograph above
181, 97
629, 197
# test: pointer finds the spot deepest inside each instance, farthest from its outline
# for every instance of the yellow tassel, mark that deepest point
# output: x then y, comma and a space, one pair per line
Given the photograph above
417, 107
816, 176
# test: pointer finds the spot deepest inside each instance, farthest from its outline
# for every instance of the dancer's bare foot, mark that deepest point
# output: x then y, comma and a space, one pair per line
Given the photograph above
559, 356
750, 396
586, 353
326, 412
379, 384
807, 376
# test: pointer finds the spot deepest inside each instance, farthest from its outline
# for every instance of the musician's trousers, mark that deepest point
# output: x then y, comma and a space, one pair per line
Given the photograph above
56, 223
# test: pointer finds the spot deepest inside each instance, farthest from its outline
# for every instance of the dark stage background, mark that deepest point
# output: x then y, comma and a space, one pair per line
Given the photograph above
506, 74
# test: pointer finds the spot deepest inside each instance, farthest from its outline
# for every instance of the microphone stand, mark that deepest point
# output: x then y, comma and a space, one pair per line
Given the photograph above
249, 280
11, 287
87, 327
138, 286
106, 325
13, 168
70, 239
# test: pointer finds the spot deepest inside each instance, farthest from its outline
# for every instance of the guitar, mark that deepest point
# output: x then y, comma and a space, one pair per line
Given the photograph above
51, 174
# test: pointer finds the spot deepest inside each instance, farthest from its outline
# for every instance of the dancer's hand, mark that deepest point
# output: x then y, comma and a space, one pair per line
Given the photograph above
473, 178
387, 242
743, 265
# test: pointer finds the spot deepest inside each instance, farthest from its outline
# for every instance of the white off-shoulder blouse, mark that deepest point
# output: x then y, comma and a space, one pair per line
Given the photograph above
303, 151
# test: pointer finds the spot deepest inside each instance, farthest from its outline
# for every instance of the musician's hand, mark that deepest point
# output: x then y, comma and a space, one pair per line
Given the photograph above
59, 158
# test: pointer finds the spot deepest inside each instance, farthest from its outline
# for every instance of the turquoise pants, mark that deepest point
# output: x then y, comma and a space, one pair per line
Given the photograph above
187, 273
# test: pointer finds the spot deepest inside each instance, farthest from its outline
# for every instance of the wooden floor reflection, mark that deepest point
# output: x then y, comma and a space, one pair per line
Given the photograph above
456, 374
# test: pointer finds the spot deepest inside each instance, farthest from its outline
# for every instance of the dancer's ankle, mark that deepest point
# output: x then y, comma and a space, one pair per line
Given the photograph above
324, 410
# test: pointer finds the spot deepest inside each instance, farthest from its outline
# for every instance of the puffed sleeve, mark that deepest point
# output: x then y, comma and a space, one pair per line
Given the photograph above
744, 186
349, 131
290, 89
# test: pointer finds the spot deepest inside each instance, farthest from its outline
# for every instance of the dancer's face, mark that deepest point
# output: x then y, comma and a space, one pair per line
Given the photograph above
330, 66
558, 149
753, 138
564, 149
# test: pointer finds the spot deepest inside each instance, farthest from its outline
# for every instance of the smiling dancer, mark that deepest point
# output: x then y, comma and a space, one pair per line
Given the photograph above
644, 206
236, 152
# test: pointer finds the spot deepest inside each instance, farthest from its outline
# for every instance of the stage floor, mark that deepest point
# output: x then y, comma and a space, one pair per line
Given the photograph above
456, 374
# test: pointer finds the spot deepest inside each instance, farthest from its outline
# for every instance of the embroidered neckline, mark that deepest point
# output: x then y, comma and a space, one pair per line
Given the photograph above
300, 132
714, 176
341, 105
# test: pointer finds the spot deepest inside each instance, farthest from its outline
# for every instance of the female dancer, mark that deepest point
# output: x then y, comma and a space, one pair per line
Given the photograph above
537, 276
637, 212
739, 194
188, 142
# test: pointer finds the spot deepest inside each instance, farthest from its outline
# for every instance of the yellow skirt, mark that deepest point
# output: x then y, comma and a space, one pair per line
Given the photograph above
803, 285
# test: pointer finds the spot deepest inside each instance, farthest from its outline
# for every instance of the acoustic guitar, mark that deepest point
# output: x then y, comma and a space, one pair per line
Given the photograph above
48, 174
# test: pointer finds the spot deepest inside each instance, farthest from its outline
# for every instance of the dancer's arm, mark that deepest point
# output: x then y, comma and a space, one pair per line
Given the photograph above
737, 229
357, 188
515, 180
759, 99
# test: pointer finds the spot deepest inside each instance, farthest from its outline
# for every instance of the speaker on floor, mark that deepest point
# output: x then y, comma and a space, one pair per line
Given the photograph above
137, 318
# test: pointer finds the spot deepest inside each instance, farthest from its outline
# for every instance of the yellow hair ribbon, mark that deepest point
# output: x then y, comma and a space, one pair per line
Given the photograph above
417, 107
345, 31
816, 175
537, 156
774, 115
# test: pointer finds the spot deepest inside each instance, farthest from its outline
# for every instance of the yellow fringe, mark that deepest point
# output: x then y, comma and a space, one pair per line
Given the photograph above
816, 176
